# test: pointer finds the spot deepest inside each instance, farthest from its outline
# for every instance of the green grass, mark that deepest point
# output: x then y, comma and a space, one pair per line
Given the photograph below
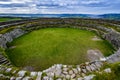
114, 75
8, 19
45, 47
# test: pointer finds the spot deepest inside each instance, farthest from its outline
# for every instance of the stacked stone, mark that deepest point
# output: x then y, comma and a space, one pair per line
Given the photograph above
57, 72
114, 57
2, 70
8, 37
14, 23
113, 37
3, 77
73, 72
4, 60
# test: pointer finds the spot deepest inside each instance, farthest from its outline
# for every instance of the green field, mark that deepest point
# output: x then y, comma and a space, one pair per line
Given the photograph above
8, 19
43, 48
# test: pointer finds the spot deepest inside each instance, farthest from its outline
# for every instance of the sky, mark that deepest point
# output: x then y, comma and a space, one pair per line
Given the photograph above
60, 6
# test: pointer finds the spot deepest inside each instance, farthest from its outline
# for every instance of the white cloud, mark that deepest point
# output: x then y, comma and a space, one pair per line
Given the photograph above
91, 2
25, 10
21, 1
59, 6
15, 1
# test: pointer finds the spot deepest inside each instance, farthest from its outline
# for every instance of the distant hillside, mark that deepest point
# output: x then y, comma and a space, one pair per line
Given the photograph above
46, 15
103, 16
110, 16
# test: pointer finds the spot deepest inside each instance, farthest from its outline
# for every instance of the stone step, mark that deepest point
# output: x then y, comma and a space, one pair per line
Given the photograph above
2, 58
2, 61
8, 64
5, 62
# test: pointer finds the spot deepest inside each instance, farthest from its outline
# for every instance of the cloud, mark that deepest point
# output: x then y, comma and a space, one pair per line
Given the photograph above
59, 6
5, 0
92, 1
13, 5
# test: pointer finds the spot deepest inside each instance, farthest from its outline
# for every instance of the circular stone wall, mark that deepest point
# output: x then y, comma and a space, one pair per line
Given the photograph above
43, 48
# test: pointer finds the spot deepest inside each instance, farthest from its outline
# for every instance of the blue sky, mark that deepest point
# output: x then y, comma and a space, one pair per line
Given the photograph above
60, 6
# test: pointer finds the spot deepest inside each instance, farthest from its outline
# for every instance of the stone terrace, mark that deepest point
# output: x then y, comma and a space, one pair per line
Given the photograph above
59, 71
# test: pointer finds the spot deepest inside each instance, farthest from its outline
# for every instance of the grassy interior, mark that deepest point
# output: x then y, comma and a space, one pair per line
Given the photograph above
43, 48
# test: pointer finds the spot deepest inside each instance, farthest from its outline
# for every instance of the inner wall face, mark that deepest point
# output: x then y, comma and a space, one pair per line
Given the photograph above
43, 48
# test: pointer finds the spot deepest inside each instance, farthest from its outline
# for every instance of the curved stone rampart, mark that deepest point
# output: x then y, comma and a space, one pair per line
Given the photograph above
113, 37
58, 71
114, 57
9, 36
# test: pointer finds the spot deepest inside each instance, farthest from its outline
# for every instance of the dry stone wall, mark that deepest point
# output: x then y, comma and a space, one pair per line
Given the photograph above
113, 37
114, 57
4, 39
58, 71
9, 36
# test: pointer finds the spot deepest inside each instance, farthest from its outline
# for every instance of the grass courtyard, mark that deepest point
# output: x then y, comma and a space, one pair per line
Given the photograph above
43, 48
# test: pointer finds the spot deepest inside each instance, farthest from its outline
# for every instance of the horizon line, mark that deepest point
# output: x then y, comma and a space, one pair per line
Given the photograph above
61, 13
